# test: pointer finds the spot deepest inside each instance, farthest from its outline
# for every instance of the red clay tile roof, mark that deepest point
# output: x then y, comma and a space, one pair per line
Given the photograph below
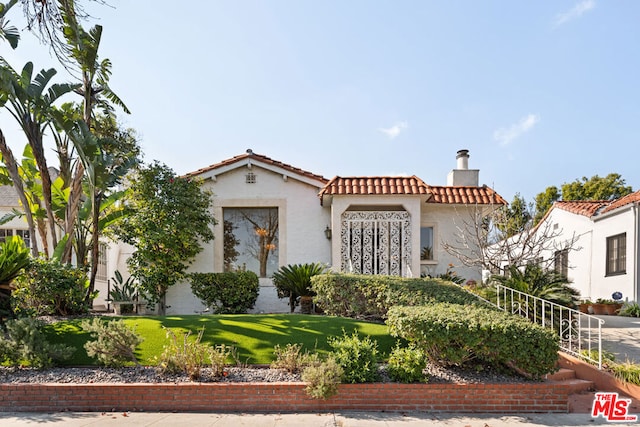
374, 185
581, 207
391, 185
629, 198
465, 195
261, 158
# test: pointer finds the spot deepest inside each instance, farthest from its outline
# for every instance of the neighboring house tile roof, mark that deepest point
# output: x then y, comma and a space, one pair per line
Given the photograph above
581, 207
622, 201
8, 196
465, 195
374, 185
261, 158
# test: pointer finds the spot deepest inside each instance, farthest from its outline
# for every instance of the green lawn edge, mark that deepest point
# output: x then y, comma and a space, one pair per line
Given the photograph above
253, 335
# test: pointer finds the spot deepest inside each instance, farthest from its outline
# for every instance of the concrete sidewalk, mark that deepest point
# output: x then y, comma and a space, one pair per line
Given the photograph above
342, 419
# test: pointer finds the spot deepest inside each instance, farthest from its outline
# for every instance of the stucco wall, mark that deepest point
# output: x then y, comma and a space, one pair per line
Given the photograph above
445, 219
568, 226
301, 218
610, 225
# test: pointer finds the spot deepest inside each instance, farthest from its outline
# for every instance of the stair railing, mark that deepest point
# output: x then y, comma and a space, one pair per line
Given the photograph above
580, 334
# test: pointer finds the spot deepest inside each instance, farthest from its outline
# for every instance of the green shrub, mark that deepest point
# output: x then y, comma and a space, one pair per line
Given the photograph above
14, 258
407, 365
413, 292
226, 293
369, 297
183, 356
322, 377
51, 288
351, 295
456, 335
357, 356
628, 372
290, 358
630, 309
114, 342
24, 343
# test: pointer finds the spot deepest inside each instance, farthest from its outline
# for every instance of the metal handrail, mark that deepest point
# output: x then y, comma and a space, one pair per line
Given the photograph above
579, 333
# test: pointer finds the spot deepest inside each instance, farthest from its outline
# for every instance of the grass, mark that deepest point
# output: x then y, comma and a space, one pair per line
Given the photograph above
254, 336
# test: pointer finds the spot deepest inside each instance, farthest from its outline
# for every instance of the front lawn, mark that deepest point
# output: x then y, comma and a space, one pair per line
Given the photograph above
254, 336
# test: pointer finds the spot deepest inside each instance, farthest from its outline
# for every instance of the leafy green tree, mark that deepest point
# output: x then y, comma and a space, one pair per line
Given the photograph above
516, 216
168, 220
610, 187
544, 201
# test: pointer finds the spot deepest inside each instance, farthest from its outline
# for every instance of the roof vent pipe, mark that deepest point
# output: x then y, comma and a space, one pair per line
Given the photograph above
463, 159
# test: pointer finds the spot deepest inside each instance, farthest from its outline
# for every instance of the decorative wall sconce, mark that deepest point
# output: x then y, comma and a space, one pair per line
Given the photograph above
327, 232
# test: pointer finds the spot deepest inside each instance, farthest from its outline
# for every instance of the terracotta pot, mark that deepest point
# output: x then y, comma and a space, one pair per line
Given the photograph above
584, 308
599, 308
612, 309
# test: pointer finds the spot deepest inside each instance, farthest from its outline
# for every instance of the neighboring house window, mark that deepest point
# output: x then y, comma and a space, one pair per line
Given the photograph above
25, 236
101, 274
251, 178
4, 234
617, 254
561, 262
426, 243
22, 233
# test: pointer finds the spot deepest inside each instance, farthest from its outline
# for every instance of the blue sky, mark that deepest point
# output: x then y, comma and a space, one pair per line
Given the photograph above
540, 92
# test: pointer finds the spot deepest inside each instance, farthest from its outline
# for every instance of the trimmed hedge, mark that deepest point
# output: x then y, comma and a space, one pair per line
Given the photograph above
370, 297
226, 293
461, 334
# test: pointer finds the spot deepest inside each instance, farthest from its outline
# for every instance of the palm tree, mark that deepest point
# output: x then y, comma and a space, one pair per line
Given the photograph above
29, 104
545, 284
294, 281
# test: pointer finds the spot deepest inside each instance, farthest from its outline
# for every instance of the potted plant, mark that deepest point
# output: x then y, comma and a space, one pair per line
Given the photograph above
585, 306
599, 307
294, 282
123, 294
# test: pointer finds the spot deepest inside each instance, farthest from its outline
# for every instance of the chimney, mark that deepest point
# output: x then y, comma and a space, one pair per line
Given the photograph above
463, 159
462, 176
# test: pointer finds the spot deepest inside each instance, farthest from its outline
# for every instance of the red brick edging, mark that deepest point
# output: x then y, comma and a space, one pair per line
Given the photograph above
285, 397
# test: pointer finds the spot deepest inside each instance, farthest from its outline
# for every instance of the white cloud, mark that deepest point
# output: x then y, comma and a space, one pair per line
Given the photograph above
577, 11
394, 130
506, 135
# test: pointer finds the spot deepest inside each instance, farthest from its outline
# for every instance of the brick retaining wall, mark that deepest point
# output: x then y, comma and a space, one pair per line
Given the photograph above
285, 397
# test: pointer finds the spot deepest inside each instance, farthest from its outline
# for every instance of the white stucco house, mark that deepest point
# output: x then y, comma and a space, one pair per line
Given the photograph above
270, 214
604, 257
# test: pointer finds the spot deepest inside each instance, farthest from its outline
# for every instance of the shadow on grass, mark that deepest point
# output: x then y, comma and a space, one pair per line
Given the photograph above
253, 336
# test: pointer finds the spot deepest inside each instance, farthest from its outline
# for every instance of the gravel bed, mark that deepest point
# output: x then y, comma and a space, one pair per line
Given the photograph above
146, 374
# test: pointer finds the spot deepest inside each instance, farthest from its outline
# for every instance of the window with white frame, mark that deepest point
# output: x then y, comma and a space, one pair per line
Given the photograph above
616, 254
26, 237
426, 244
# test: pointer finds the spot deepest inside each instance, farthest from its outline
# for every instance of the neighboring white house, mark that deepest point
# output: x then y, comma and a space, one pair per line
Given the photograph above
604, 257
270, 214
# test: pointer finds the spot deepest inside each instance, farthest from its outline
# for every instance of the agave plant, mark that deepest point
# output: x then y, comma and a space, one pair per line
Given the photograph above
294, 281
